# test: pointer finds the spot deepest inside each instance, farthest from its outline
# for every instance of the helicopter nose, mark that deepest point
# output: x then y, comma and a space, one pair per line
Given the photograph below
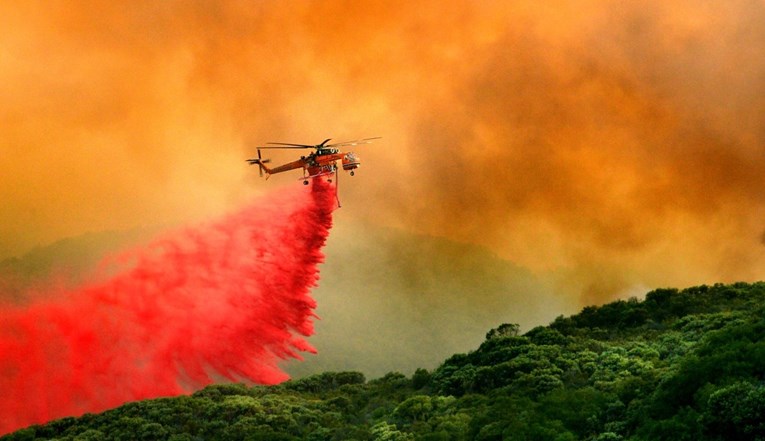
351, 161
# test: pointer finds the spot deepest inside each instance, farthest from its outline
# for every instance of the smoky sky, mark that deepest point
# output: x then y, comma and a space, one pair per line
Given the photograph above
606, 144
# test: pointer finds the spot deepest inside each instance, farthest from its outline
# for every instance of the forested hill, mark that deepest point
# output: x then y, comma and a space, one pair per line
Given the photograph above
680, 365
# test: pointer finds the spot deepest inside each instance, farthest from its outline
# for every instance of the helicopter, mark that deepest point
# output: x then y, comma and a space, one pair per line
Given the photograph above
321, 162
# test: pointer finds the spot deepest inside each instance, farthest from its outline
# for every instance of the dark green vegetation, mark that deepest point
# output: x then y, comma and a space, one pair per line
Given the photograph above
680, 365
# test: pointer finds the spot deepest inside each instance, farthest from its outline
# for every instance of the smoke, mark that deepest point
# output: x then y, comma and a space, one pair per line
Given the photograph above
598, 143
609, 144
226, 300
410, 301
603, 144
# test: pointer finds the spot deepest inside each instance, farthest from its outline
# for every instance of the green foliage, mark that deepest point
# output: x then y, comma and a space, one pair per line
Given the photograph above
420, 379
736, 412
680, 365
326, 381
504, 330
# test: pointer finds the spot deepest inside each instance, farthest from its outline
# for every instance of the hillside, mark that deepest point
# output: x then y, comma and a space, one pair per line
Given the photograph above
381, 313
680, 365
65, 262
390, 300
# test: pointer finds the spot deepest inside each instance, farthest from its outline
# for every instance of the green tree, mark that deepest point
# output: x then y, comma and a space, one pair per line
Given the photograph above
736, 412
383, 431
420, 379
504, 330
416, 408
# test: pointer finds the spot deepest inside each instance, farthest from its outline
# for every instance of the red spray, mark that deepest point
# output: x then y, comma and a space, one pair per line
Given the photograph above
224, 301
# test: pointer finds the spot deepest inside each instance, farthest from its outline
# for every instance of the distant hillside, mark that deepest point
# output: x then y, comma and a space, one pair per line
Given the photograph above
680, 365
388, 299
63, 262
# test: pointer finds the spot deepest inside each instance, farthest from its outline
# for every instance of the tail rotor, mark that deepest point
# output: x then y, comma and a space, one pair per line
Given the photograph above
260, 161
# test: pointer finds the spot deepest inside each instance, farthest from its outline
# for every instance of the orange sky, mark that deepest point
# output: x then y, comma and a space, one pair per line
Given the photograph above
612, 146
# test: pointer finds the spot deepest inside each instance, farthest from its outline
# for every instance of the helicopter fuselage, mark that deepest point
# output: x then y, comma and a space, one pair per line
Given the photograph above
319, 163
322, 162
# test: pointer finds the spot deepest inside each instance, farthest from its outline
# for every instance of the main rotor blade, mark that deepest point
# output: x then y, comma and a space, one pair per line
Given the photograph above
356, 142
287, 147
291, 145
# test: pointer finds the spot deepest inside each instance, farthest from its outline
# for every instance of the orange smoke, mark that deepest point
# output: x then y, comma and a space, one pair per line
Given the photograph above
609, 145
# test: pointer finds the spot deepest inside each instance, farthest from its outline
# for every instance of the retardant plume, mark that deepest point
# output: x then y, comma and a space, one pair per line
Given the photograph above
226, 300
